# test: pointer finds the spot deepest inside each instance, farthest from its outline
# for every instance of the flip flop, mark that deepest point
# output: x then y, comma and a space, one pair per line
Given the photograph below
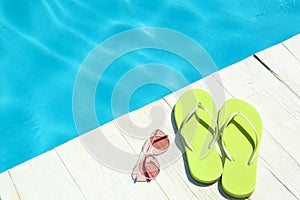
241, 130
195, 116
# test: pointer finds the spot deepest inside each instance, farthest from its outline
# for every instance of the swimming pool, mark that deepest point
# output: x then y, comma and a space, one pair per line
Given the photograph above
43, 45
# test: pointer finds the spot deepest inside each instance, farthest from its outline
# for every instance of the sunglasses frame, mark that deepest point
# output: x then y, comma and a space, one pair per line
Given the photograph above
147, 153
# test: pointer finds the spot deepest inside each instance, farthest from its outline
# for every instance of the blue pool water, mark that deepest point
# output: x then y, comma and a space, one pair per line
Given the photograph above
44, 43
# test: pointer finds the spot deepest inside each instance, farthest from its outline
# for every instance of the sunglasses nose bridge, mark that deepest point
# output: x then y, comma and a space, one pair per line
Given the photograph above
147, 147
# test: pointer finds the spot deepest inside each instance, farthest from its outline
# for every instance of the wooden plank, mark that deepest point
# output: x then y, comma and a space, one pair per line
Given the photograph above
280, 111
98, 181
266, 179
268, 186
44, 177
7, 187
284, 62
293, 45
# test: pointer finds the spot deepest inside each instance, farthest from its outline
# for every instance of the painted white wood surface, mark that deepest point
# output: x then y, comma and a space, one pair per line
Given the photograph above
100, 182
284, 60
45, 177
7, 188
293, 46
71, 172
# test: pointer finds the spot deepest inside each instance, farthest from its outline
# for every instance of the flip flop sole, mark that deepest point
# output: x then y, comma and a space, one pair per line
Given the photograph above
239, 178
209, 168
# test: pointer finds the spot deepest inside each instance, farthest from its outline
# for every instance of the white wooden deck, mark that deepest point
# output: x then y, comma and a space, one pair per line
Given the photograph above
269, 81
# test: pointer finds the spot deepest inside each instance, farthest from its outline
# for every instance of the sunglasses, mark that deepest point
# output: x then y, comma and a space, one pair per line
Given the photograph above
147, 167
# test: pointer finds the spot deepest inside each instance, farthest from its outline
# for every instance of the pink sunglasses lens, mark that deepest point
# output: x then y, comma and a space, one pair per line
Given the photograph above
149, 167
159, 140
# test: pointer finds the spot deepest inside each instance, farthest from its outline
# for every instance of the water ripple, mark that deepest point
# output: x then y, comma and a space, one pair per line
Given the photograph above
37, 43
59, 23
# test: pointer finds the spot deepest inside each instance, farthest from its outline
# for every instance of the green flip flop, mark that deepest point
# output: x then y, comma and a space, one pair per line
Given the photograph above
240, 127
195, 115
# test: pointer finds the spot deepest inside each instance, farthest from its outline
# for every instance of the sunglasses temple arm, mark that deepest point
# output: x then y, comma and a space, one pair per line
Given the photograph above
136, 178
137, 162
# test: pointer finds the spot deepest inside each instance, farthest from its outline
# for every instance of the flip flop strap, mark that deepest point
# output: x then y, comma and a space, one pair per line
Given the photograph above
252, 126
188, 117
